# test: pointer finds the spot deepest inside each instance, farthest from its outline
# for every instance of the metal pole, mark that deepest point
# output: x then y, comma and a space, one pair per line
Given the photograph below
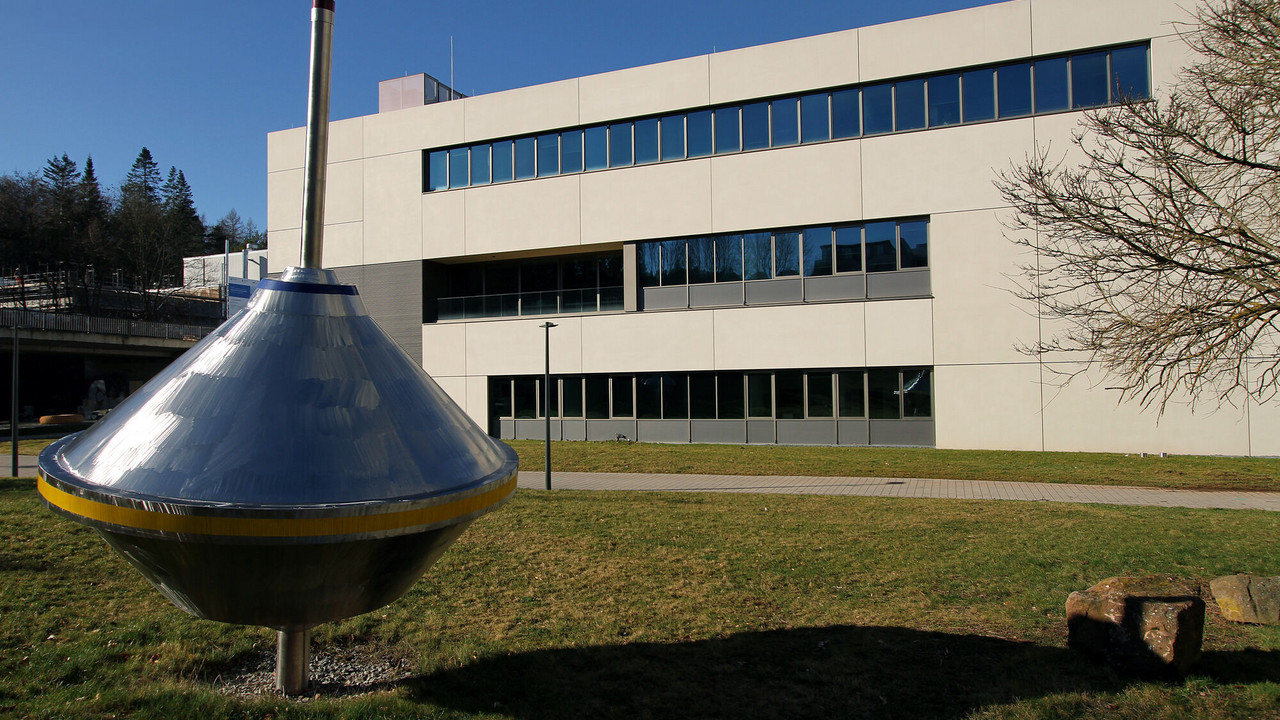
13, 414
546, 400
317, 133
293, 658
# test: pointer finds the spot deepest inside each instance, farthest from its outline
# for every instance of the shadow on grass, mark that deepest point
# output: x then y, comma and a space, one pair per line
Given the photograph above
838, 671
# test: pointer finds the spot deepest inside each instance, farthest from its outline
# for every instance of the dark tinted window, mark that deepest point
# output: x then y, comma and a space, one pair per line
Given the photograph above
503, 170
916, 397
1051, 85
786, 253
944, 100
852, 404
1014, 97
820, 395
646, 141
479, 164
597, 147
571, 151
757, 256
673, 263
877, 109
979, 95
620, 144
622, 396
526, 158
786, 121
548, 155
882, 250
759, 395
1129, 74
572, 389
815, 124
1089, 80
647, 266
649, 397
755, 126
673, 137
699, 133
849, 249
914, 237
675, 398
817, 251
701, 260
500, 396
789, 395
526, 398
844, 114
883, 394
909, 103
729, 258
459, 163
702, 396
727, 130
438, 170
729, 397
597, 397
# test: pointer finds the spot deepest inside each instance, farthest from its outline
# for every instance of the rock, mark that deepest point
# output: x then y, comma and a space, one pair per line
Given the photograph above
1143, 625
1248, 598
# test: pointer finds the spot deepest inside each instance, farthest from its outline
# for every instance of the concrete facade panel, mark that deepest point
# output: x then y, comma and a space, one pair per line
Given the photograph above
777, 188
899, 332
648, 342
444, 224
1062, 26
343, 246
809, 63
393, 207
346, 140
662, 200
284, 200
285, 249
991, 33
790, 336
644, 90
517, 347
444, 349
523, 215
416, 128
975, 404
344, 192
286, 150
520, 111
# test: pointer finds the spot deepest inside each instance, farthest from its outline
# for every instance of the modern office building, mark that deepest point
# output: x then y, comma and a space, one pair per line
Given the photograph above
792, 243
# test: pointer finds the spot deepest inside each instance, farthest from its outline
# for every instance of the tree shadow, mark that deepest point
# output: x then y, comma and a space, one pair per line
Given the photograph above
836, 671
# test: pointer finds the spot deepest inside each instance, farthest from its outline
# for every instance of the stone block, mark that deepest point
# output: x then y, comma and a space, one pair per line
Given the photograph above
1150, 625
1248, 598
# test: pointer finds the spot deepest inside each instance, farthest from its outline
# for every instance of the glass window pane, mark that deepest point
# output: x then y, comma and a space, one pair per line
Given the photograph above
646, 141
1129, 74
702, 396
916, 396
883, 394
501, 278
1089, 80
548, 155
727, 130
459, 163
701, 260
502, 167
619, 144
500, 396
675, 396
882, 250
597, 397
1051, 85
673, 262
979, 95
610, 270
597, 147
571, 151
844, 114
577, 274
815, 125
1014, 96
729, 397
571, 389
648, 397
820, 395
729, 258
437, 170
877, 109
673, 137
526, 398
789, 395
786, 252
699, 133
538, 276
755, 126
817, 251
526, 158
647, 266
759, 395
479, 164
786, 121
622, 403
757, 253
852, 404
944, 100
908, 100
849, 249
914, 239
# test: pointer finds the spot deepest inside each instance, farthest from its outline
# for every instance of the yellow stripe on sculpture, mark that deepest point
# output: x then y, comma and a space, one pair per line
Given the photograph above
137, 519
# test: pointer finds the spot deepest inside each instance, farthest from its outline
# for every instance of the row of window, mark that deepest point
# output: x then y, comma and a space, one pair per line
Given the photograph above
1053, 84
584, 283
812, 251
879, 394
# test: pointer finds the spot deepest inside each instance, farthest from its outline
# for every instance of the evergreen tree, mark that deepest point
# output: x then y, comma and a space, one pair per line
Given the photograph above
184, 226
143, 181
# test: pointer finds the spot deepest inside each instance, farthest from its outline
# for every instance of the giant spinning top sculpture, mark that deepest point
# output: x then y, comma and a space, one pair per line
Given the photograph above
294, 467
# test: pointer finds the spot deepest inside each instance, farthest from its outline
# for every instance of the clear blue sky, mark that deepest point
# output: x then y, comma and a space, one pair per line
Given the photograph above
201, 84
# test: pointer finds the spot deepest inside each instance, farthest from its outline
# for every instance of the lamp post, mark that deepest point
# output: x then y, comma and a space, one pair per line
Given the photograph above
546, 400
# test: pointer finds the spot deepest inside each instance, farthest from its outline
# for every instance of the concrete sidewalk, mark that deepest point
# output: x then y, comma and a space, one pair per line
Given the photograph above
902, 487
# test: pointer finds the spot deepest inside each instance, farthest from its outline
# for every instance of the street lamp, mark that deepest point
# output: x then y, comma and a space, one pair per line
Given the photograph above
546, 400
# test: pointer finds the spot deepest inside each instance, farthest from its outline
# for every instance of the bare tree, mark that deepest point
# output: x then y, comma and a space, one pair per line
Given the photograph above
1159, 253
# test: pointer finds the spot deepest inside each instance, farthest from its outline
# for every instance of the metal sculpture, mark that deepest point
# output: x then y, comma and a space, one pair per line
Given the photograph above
294, 467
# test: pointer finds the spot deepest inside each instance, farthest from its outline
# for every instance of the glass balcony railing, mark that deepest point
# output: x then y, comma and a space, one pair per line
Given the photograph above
552, 302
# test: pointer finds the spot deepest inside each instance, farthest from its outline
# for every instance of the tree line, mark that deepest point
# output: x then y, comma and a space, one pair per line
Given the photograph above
69, 244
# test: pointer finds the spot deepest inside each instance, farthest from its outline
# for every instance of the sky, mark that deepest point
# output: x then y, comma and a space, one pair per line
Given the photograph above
201, 84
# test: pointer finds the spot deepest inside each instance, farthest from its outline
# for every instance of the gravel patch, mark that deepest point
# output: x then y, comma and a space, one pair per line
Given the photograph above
335, 672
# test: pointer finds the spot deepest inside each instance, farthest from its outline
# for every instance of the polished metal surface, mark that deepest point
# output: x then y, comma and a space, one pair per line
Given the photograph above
292, 659
317, 133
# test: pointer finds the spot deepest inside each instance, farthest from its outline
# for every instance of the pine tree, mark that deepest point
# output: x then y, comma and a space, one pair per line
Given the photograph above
143, 181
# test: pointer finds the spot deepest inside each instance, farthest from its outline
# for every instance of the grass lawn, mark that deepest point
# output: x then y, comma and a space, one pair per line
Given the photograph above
655, 605
1186, 472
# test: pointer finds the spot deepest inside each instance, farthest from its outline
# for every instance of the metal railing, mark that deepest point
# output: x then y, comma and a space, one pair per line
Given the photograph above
36, 320
551, 302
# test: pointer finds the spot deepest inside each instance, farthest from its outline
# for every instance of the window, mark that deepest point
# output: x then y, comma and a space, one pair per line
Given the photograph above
649, 397
916, 396
877, 109
844, 114
673, 263
597, 147
699, 133
702, 396
884, 394
701, 260
913, 238
646, 141
526, 160
503, 170
729, 398
1051, 85
597, 395
882, 251
675, 397
786, 253
647, 264
500, 396
572, 389
526, 398
673, 137
437, 170
851, 397
757, 254
755, 126
849, 249
1014, 96
727, 130
620, 145
815, 125
729, 258
909, 105
759, 395
571, 151
819, 395
979, 95
1129, 74
548, 155
622, 397
1089, 80
789, 395
944, 100
480, 164
786, 121
817, 251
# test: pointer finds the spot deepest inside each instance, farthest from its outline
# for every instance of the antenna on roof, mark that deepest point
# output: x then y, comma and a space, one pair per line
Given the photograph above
450, 62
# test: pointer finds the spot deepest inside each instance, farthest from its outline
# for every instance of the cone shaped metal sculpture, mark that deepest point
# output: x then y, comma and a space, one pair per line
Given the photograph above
294, 467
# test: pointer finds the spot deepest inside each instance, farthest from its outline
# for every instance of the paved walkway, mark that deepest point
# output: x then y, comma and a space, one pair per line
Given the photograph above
902, 487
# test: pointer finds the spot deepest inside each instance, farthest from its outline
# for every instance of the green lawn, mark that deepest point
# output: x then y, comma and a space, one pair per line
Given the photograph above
655, 605
1179, 471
